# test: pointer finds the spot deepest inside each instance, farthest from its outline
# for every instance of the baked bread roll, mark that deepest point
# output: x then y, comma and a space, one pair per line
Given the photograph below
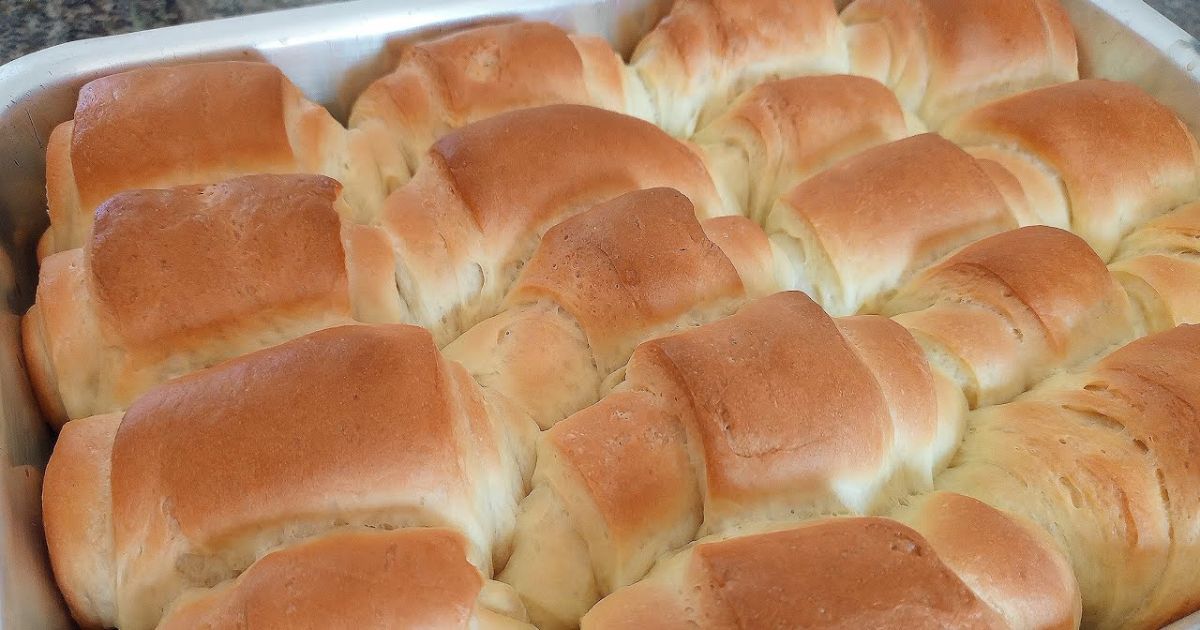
1105, 460
945, 57
781, 132
411, 578
1157, 265
457, 79
1005, 312
601, 282
175, 280
706, 52
777, 412
193, 124
836, 232
485, 194
957, 564
355, 425
1095, 157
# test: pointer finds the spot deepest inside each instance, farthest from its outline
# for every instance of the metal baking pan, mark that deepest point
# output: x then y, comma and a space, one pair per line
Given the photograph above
331, 53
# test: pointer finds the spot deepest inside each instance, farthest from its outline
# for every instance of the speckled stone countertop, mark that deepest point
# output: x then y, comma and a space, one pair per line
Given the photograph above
29, 25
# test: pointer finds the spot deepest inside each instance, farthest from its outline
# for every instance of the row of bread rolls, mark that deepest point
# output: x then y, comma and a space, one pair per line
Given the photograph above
1064, 323
450, 244
157, 127
488, 207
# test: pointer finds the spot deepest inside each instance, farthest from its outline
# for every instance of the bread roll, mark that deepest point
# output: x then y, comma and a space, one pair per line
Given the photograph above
850, 235
706, 52
193, 124
408, 578
777, 412
448, 82
781, 132
601, 282
175, 280
1105, 460
1157, 265
943, 57
961, 564
1005, 312
355, 425
1095, 157
486, 193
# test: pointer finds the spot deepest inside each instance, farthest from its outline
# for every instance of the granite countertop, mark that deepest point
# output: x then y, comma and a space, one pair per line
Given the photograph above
29, 25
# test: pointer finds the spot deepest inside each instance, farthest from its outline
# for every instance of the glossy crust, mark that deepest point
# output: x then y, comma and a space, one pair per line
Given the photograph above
943, 57
777, 412
1095, 157
858, 229
369, 414
467, 222
859, 573
1005, 312
191, 124
599, 283
175, 280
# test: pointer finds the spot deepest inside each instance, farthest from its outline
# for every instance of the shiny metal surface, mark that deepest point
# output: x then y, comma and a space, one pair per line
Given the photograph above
332, 52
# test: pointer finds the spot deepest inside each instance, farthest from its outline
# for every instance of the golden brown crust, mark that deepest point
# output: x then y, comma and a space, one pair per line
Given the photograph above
705, 52
946, 56
197, 123
735, 382
1122, 157
837, 573
234, 123
748, 248
464, 77
410, 578
781, 132
468, 220
845, 219
1011, 564
1014, 307
217, 256
369, 414
627, 266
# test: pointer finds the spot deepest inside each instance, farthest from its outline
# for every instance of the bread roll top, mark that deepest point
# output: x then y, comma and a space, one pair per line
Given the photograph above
956, 563
210, 468
943, 57
469, 220
626, 266
780, 132
866, 223
1004, 312
704, 53
216, 254
129, 127
192, 124
1121, 157
451, 81
352, 579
